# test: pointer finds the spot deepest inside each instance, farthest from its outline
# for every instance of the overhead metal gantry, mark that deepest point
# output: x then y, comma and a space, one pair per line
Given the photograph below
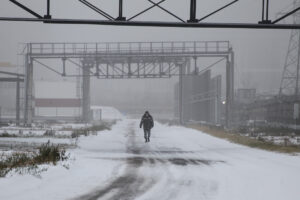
121, 20
125, 60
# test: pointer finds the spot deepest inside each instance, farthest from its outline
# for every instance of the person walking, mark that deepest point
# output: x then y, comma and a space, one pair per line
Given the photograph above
147, 123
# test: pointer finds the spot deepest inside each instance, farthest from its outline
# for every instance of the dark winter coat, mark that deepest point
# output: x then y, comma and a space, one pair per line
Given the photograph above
147, 122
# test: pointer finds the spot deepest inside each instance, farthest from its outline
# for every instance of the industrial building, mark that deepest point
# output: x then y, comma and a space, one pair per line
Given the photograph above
201, 98
273, 110
56, 100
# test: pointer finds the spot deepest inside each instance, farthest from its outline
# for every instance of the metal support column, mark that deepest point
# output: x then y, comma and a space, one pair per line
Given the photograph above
26, 89
64, 66
180, 99
138, 69
97, 68
28, 110
107, 70
129, 68
86, 91
18, 101
229, 89
227, 109
265, 13
195, 65
218, 99
297, 71
160, 68
120, 17
30, 94
188, 66
193, 11
232, 78
48, 16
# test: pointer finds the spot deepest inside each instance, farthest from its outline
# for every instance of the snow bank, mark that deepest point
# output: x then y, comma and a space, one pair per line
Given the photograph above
108, 113
86, 170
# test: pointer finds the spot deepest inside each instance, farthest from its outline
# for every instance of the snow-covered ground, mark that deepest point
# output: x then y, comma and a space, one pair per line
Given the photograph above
106, 113
59, 130
178, 163
29, 143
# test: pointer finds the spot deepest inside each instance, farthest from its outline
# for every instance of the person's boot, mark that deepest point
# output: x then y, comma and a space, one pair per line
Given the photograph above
148, 139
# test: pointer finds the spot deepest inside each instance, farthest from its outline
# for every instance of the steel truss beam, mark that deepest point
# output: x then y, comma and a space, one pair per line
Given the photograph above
192, 22
11, 73
26, 9
11, 79
98, 10
156, 24
142, 59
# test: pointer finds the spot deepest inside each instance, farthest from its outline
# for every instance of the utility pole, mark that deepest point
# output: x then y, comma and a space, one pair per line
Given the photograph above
290, 76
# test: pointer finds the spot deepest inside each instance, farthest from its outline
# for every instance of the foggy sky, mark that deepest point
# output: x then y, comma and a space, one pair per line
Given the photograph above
260, 54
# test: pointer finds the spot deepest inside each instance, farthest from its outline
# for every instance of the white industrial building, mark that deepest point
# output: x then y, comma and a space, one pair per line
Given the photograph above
56, 99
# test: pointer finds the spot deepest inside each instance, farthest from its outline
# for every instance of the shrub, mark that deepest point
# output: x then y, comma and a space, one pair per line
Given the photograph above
47, 153
5, 134
258, 142
49, 133
91, 130
50, 153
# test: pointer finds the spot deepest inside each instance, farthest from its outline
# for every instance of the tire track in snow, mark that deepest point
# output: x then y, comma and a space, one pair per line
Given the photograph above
131, 184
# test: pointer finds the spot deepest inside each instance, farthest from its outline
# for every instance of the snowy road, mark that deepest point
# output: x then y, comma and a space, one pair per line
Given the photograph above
178, 163
148, 166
